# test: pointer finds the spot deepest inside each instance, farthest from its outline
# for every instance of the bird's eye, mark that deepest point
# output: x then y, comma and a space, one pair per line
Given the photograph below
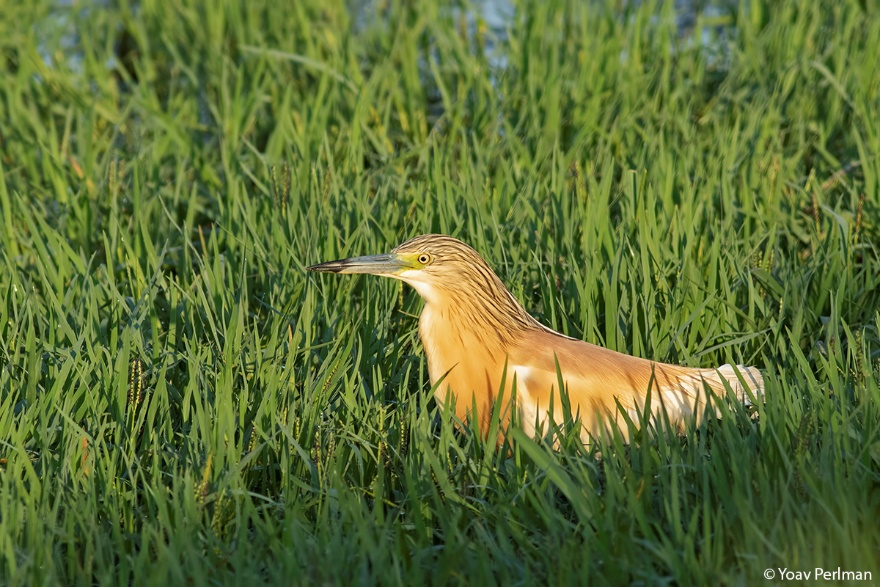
424, 258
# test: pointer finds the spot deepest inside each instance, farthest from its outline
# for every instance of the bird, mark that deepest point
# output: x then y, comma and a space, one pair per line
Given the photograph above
482, 346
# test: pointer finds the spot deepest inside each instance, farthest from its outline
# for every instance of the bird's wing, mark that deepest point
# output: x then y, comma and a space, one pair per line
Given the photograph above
597, 379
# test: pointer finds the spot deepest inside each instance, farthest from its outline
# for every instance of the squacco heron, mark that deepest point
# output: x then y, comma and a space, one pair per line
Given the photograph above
477, 336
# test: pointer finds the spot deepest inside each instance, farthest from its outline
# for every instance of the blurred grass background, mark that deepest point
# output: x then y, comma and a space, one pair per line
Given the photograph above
181, 403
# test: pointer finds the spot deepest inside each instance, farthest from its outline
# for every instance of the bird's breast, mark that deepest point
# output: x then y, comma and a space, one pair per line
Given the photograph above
446, 346
469, 361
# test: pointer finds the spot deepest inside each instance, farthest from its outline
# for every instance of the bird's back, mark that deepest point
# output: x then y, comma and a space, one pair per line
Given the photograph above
597, 379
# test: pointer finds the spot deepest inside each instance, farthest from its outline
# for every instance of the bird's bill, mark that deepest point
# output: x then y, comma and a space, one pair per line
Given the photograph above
388, 264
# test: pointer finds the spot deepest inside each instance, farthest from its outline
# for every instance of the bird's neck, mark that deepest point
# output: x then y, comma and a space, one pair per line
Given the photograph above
453, 328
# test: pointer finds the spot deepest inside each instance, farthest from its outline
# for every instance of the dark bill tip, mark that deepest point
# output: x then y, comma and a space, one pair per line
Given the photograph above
328, 267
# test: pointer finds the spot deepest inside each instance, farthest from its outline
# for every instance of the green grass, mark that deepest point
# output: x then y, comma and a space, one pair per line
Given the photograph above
180, 402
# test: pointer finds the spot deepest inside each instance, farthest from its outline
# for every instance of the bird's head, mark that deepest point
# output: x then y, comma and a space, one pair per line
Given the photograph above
445, 272
433, 264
